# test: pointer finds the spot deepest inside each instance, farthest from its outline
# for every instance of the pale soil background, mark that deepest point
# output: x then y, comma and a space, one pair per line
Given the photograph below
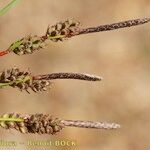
122, 57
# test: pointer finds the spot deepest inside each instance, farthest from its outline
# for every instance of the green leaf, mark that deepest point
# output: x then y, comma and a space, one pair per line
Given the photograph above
8, 7
15, 45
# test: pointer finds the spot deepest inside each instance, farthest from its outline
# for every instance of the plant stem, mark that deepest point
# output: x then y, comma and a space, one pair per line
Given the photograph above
11, 119
55, 37
2, 53
4, 84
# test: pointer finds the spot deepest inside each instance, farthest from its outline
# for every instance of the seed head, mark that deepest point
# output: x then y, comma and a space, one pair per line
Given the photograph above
36, 123
27, 45
23, 80
63, 30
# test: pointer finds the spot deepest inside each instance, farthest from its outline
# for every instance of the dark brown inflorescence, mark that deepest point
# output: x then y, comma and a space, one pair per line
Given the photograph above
27, 45
23, 80
37, 123
63, 30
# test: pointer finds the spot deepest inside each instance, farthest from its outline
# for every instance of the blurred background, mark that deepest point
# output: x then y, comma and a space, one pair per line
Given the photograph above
121, 57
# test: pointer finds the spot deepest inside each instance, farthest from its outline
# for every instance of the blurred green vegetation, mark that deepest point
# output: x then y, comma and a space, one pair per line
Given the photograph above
8, 7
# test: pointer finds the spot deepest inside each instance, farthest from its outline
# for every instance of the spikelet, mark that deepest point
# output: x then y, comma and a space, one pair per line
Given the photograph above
63, 30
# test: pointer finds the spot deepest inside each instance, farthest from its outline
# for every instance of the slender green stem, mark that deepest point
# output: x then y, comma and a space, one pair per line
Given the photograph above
12, 119
4, 84
56, 37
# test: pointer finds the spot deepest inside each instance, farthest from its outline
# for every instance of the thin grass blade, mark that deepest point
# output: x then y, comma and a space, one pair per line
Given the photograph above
8, 7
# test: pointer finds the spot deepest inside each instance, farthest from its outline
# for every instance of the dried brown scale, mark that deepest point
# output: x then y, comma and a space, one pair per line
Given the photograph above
40, 85
114, 26
28, 45
65, 29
